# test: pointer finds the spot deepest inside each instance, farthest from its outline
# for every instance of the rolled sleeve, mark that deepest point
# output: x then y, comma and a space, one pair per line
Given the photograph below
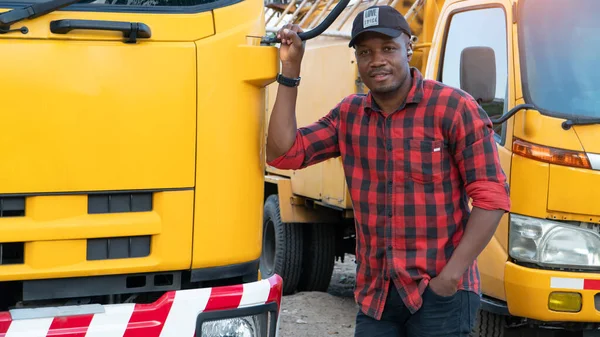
293, 159
314, 143
476, 155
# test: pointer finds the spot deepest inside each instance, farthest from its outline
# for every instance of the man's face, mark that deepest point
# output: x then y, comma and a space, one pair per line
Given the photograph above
382, 61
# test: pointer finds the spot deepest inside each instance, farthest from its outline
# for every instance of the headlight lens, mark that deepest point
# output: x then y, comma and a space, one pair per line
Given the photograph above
553, 243
249, 326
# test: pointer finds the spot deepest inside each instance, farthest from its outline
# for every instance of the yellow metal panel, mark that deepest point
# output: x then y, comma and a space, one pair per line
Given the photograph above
528, 290
292, 209
286, 209
56, 254
308, 182
56, 247
164, 27
103, 116
573, 217
574, 190
516, 60
513, 91
536, 128
589, 136
502, 231
228, 19
438, 38
495, 254
284, 173
489, 261
334, 190
529, 187
65, 217
230, 153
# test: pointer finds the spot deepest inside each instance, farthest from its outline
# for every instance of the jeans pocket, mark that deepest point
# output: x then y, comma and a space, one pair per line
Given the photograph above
438, 297
439, 316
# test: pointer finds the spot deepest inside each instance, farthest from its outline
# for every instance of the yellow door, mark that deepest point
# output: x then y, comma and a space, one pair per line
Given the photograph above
83, 110
88, 109
456, 33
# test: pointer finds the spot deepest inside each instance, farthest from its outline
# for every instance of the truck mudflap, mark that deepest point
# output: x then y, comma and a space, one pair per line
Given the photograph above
204, 312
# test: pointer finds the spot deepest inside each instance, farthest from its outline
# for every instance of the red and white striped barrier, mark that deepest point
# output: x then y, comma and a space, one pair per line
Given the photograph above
173, 315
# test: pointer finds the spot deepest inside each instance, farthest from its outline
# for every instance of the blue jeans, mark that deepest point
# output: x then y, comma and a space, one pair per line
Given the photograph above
439, 316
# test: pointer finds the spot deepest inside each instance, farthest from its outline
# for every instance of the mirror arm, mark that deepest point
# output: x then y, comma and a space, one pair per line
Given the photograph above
512, 111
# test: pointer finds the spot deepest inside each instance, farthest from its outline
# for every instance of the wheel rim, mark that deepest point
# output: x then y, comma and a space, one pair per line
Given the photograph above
267, 257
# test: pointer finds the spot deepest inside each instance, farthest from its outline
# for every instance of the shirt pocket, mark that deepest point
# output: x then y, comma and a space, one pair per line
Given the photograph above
424, 160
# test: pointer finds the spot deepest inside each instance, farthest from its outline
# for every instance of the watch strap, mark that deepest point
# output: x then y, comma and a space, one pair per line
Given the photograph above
287, 81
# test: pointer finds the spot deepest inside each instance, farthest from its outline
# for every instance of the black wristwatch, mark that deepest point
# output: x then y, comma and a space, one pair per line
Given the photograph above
288, 82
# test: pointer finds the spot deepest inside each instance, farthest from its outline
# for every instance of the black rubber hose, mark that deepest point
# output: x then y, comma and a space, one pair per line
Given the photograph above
318, 30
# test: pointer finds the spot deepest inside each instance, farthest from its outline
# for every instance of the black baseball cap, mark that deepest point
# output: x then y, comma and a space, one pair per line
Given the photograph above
381, 19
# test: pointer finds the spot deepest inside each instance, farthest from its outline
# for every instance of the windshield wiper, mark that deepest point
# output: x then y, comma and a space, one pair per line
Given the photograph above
30, 12
566, 125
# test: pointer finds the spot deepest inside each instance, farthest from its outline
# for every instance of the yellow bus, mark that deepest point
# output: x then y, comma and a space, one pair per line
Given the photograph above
530, 64
132, 173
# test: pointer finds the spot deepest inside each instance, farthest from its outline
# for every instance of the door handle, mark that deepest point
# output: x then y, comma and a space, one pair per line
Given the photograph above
131, 30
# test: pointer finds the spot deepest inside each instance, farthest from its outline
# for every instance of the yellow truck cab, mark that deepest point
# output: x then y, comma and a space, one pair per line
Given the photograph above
525, 63
132, 176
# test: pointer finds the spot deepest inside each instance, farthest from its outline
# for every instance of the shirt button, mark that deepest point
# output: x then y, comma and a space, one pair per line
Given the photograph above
389, 183
389, 145
389, 248
390, 213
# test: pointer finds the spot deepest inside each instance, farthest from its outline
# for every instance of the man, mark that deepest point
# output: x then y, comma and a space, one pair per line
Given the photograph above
413, 152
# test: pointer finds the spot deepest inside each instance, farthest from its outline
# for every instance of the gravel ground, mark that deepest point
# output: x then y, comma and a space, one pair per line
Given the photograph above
317, 314
311, 314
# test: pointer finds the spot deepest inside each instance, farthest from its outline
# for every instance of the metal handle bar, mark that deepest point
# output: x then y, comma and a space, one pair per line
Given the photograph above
318, 30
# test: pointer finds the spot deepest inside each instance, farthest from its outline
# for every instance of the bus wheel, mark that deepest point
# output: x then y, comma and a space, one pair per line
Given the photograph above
319, 257
282, 247
488, 324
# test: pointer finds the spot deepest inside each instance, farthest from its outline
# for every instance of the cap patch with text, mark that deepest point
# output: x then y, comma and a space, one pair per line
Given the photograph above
380, 19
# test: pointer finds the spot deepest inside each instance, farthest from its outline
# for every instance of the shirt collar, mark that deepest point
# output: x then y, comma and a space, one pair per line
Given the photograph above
415, 94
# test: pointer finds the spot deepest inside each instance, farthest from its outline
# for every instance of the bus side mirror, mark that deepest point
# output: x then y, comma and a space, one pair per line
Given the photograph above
478, 73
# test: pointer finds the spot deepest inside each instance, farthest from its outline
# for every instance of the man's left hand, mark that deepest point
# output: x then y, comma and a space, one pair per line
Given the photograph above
443, 286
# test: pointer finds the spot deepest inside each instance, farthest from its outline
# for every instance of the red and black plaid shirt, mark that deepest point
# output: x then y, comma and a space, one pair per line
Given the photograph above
410, 176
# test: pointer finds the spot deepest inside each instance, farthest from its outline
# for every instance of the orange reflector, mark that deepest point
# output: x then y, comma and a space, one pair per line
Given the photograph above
551, 155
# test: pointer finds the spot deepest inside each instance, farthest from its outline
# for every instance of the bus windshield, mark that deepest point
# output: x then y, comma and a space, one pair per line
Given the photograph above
559, 45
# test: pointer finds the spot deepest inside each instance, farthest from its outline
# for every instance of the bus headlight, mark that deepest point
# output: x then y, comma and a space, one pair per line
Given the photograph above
547, 242
248, 326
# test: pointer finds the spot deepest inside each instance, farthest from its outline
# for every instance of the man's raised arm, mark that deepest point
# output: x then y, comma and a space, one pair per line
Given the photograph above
282, 124
290, 147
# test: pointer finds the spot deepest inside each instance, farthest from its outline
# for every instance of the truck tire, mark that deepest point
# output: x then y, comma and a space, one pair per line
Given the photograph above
282, 247
488, 324
319, 257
